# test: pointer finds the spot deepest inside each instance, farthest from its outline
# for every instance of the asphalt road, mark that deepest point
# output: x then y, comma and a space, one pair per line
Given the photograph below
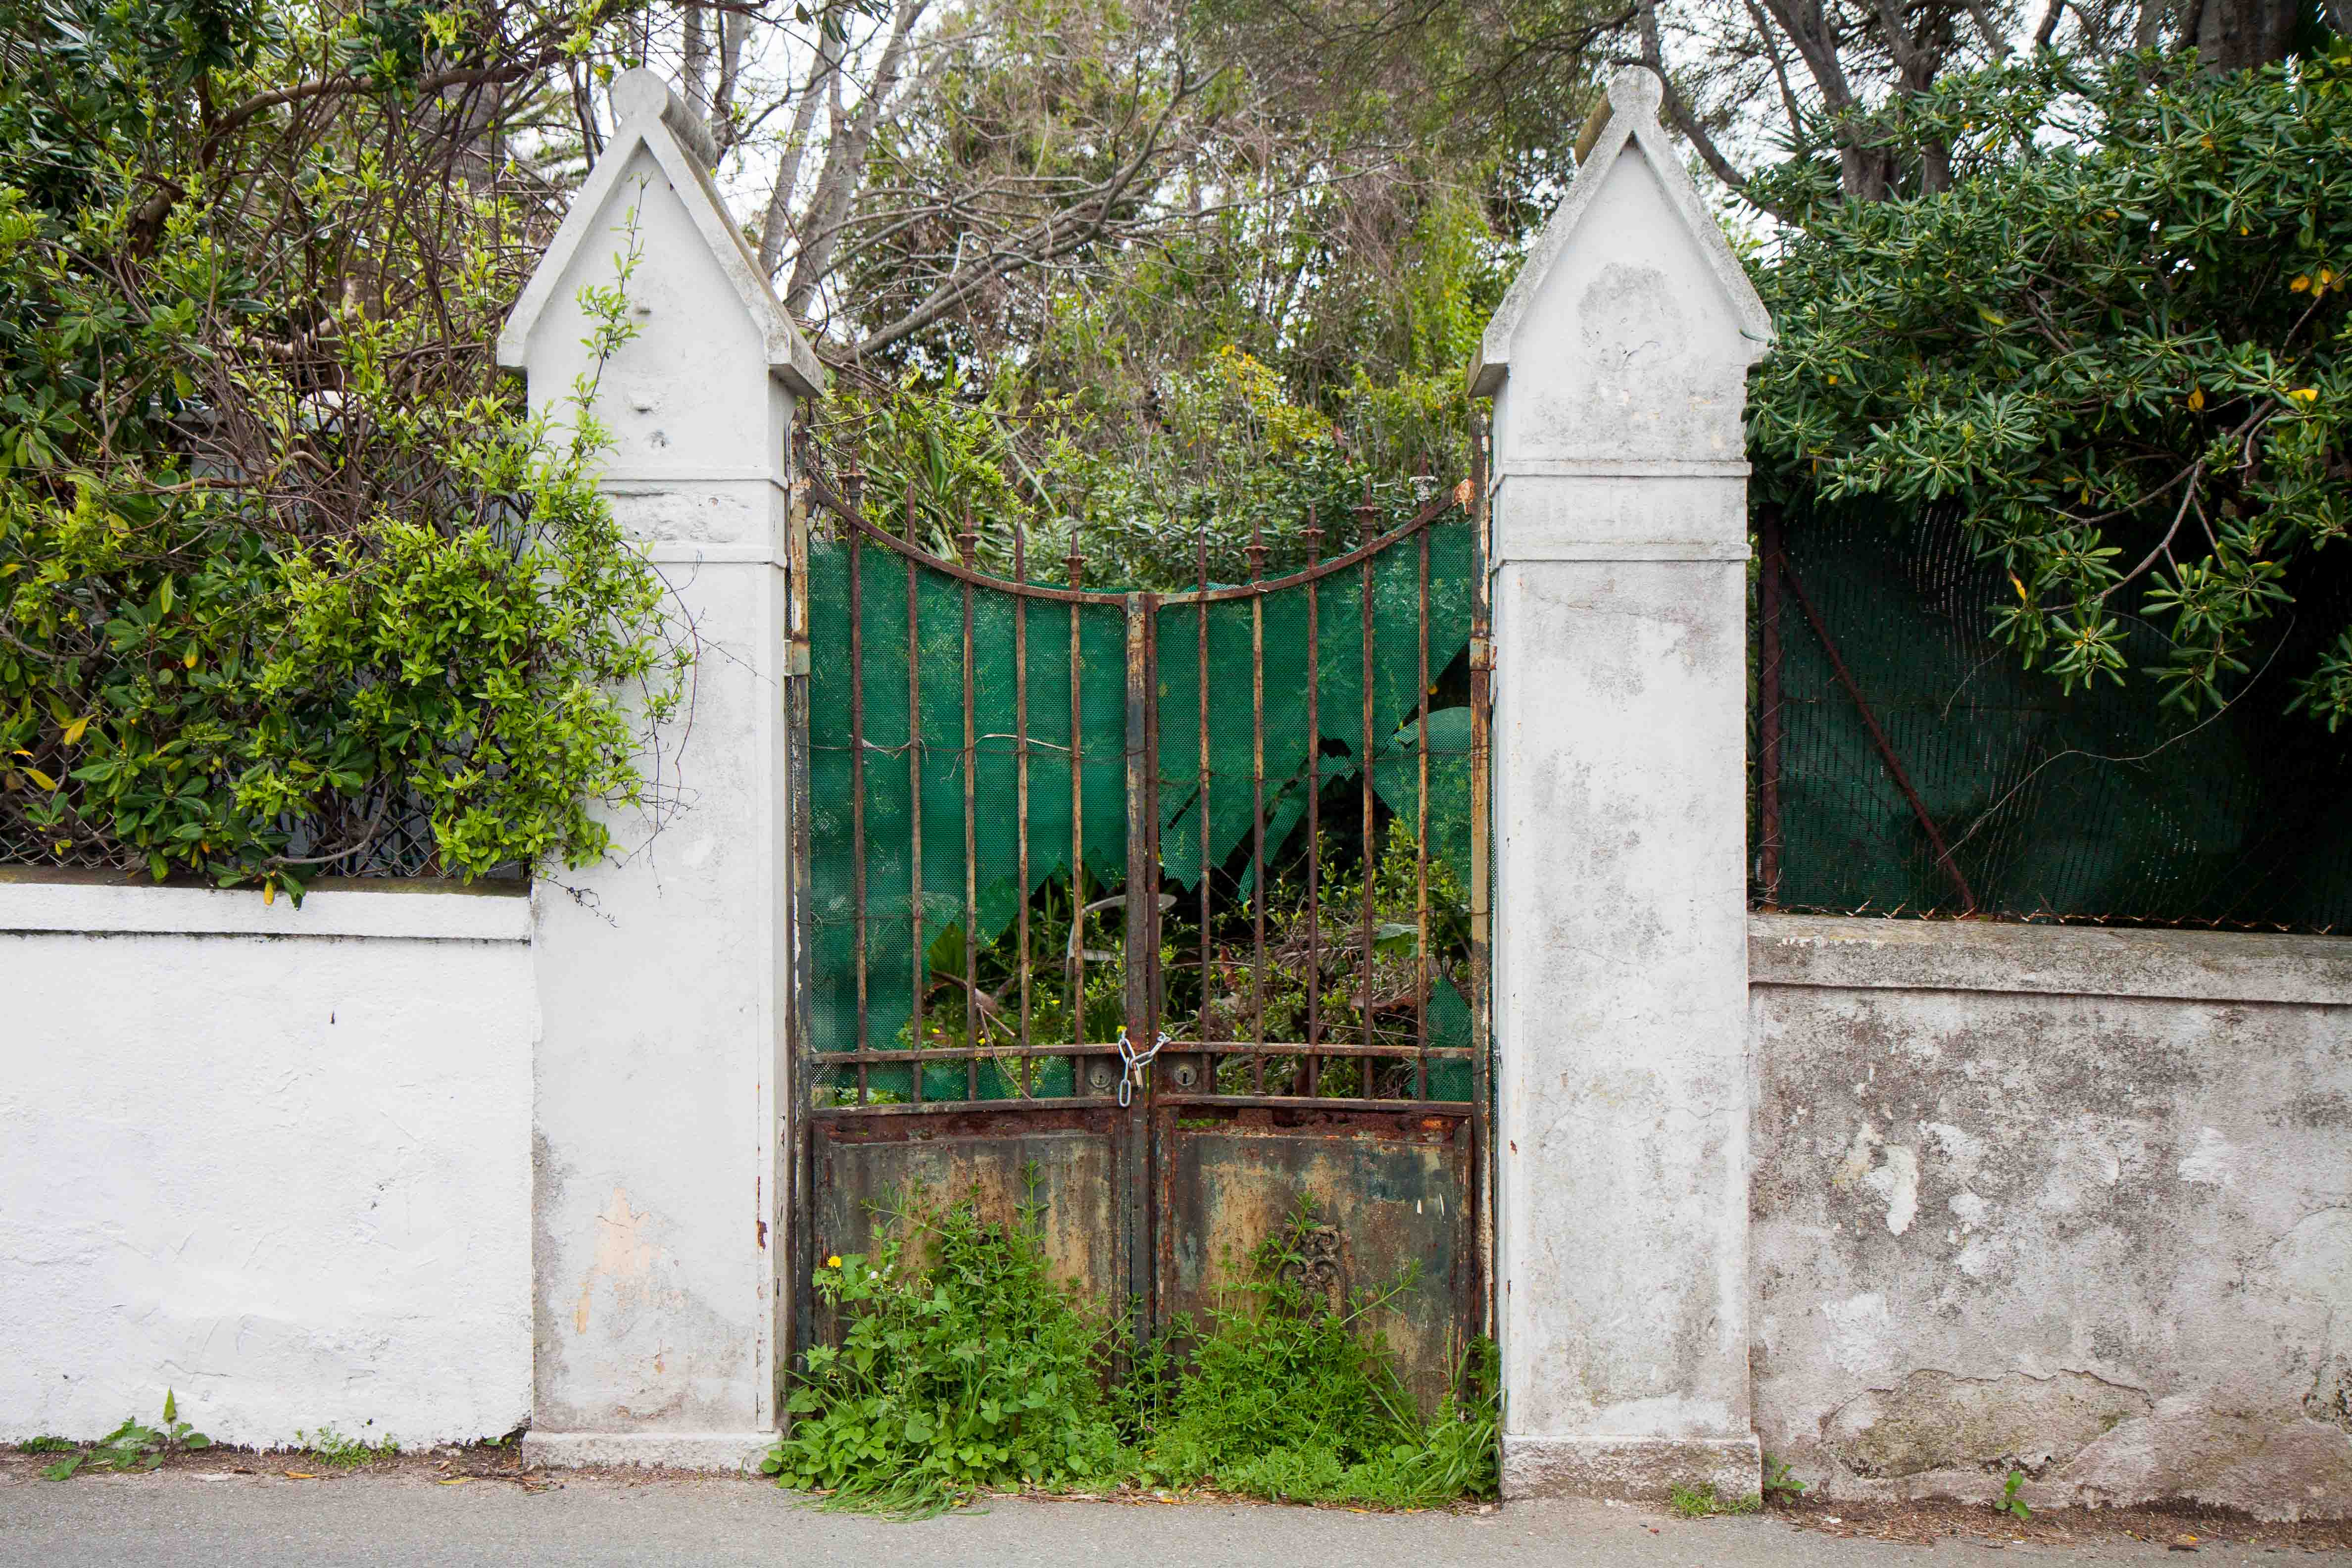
168, 1520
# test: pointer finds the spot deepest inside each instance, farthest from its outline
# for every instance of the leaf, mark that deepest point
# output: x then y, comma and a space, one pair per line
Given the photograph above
73, 738
65, 1467
171, 1400
40, 778
301, 1476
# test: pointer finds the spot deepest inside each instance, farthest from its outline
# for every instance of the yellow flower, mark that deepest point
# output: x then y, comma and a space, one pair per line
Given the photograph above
2307, 396
2299, 285
834, 1262
2197, 400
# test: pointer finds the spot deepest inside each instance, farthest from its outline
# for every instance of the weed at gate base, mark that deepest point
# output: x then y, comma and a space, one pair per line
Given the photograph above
331, 1447
964, 1366
1701, 1501
1294, 1398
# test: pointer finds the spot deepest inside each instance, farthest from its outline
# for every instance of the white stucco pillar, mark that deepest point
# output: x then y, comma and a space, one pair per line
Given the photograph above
659, 1202
1617, 364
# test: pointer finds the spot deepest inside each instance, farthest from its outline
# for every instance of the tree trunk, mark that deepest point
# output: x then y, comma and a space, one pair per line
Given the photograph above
2237, 35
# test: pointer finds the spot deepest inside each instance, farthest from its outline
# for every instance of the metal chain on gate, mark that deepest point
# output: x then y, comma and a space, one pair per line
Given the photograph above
1130, 1078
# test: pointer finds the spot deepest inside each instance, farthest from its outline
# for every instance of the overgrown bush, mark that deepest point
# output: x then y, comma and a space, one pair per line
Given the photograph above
285, 567
2117, 344
1287, 1398
965, 1366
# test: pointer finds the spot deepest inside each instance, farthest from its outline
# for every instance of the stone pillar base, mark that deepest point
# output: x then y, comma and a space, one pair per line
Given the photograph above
666, 1450
1642, 1470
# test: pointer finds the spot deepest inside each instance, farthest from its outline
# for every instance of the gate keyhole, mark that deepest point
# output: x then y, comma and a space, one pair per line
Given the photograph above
1185, 1075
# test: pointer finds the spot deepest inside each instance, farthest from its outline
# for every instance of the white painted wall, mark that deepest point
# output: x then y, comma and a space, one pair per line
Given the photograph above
274, 1159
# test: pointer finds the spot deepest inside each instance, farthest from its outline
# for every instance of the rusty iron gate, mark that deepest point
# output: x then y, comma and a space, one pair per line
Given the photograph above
1106, 906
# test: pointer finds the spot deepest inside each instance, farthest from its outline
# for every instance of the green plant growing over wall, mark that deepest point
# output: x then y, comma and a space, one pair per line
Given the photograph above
287, 569
2115, 345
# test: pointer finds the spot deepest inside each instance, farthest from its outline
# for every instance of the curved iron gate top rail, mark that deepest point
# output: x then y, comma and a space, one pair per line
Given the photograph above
851, 515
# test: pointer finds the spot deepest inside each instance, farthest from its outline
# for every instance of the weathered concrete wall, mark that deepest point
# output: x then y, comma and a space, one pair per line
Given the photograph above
2075, 1202
1617, 365
278, 1159
662, 1174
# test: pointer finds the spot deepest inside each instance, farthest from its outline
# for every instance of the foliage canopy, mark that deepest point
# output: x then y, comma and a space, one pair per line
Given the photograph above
284, 566
2117, 343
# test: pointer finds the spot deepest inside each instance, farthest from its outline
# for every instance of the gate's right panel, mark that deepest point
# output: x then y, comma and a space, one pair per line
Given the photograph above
1323, 969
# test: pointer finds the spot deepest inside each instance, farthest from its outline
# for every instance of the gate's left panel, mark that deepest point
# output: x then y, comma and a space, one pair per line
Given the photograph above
962, 986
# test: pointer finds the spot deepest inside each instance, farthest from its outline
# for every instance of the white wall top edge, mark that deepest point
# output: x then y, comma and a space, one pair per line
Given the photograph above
1622, 468
1879, 953
400, 911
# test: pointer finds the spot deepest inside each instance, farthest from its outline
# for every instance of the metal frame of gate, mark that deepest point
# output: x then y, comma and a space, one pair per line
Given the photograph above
1129, 1089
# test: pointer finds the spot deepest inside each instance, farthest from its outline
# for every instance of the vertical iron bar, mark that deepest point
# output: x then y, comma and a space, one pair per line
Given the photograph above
1314, 810
795, 1205
1365, 518
1076, 970
1257, 810
1208, 1066
1767, 704
1420, 847
915, 797
1140, 899
1142, 904
857, 793
975, 1027
1482, 1123
1021, 787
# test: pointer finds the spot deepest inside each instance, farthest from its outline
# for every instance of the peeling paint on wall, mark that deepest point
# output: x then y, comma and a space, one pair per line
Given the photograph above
2103, 1240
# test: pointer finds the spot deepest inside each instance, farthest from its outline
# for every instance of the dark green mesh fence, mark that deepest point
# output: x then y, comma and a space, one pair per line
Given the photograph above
1011, 635
2099, 806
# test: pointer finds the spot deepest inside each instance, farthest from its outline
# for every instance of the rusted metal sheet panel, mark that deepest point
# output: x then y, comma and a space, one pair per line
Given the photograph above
862, 1163
1396, 1190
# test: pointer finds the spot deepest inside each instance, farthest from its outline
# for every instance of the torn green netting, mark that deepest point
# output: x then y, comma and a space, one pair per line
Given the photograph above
1007, 630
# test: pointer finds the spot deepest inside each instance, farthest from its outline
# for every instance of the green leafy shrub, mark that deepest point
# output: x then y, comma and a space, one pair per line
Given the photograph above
286, 567
1287, 1398
963, 1365
2116, 347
